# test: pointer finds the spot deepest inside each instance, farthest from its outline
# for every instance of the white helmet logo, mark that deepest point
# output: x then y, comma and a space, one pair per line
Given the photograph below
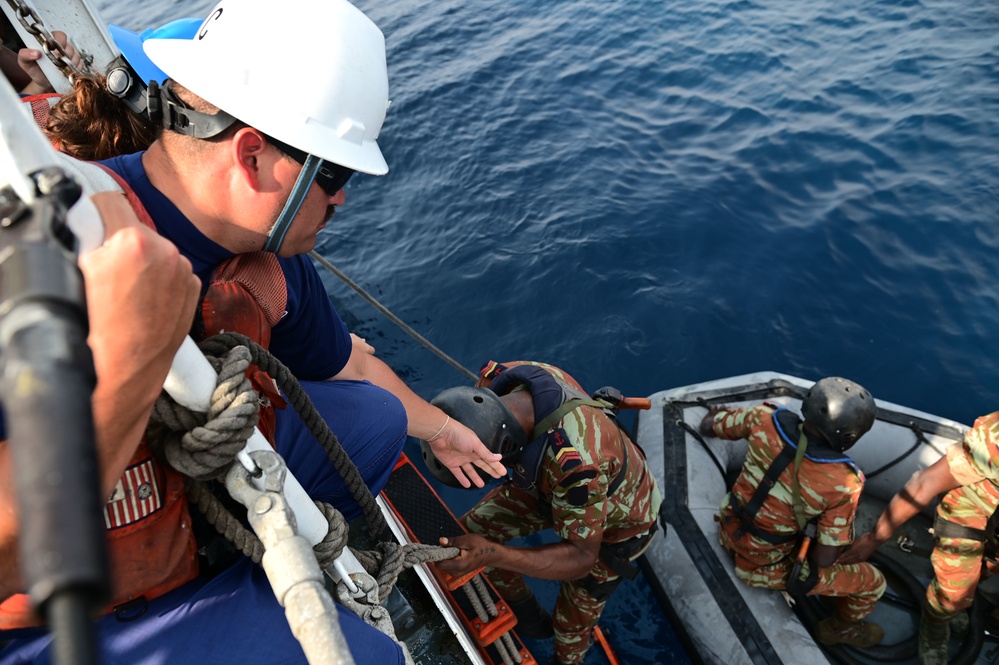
204, 27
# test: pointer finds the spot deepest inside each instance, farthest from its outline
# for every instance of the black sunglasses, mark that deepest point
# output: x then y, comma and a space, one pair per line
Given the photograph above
331, 177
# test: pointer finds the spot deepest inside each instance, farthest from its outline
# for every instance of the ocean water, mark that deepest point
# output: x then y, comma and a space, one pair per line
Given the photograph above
651, 193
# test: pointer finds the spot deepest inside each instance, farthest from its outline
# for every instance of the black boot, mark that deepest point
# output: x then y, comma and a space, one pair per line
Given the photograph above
934, 634
533, 620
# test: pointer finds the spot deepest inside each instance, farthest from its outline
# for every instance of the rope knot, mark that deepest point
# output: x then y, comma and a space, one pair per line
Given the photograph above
202, 446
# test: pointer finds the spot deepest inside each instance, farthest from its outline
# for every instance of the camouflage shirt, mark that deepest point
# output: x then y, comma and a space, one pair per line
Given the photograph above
829, 490
585, 455
975, 464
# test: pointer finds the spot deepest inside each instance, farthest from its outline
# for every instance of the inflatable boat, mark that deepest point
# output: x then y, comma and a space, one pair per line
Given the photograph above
724, 622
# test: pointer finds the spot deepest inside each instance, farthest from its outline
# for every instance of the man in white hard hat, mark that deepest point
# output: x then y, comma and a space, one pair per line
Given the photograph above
253, 160
266, 171
250, 167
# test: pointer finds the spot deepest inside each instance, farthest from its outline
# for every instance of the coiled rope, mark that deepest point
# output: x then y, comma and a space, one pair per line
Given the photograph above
202, 446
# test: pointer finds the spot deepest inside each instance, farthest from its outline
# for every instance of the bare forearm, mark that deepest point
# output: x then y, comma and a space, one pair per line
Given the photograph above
10, 576
141, 298
425, 420
903, 507
558, 561
916, 496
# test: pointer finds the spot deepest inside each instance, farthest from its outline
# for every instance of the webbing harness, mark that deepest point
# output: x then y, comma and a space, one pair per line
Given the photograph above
746, 514
569, 405
544, 388
944, 528
574, 403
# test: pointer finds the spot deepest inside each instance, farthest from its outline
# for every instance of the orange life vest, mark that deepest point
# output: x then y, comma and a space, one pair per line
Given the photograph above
41, 105
151, 545
248, 294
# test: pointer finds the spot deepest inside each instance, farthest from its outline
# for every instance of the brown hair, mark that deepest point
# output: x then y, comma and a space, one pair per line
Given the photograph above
92, 124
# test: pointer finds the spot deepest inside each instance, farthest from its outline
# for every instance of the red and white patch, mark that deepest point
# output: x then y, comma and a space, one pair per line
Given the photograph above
136, 495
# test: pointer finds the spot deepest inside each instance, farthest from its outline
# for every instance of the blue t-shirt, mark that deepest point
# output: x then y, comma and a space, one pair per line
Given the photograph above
311, 338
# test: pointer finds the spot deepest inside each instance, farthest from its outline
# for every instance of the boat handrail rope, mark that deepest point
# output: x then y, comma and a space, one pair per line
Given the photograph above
193, 457
49, 46
920, 441
205, 446
392, 317
299, 400
697, 436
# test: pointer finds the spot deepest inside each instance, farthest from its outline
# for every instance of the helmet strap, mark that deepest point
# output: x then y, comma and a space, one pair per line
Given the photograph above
291, 207
167, 109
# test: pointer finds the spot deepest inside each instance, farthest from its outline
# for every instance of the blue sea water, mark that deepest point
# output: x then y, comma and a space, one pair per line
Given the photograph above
651, 193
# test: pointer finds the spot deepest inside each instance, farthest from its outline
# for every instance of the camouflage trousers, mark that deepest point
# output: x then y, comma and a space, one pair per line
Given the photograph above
501, 517
856, 587
958, 563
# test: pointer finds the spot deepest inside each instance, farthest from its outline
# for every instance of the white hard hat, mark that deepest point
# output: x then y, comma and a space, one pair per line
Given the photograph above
310, 73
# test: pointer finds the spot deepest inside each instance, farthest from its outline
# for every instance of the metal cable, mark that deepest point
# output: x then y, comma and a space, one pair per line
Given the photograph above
392, 317
299, 399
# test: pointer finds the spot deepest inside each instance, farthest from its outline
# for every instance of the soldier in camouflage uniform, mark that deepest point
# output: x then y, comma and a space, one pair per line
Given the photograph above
815, 483
965, 546
579, 474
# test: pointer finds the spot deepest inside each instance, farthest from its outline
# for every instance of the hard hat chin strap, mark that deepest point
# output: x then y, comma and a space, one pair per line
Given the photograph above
292, 205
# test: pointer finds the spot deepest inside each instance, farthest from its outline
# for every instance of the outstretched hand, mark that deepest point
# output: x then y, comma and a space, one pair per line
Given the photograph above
475, 553
459, 449
861, 550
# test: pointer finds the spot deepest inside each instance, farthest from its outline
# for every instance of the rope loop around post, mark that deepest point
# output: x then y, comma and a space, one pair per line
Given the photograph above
202, 446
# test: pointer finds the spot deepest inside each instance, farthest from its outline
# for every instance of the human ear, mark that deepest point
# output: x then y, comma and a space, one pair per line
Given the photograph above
247, 148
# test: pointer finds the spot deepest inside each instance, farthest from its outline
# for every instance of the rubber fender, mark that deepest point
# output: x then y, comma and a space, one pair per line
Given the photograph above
811, 610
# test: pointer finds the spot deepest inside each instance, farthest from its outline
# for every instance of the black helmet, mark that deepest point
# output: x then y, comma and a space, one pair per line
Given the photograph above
483, 412
841, 410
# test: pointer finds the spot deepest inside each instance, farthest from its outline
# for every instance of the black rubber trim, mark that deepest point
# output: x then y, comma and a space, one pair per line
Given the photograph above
675, 511
782, 388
